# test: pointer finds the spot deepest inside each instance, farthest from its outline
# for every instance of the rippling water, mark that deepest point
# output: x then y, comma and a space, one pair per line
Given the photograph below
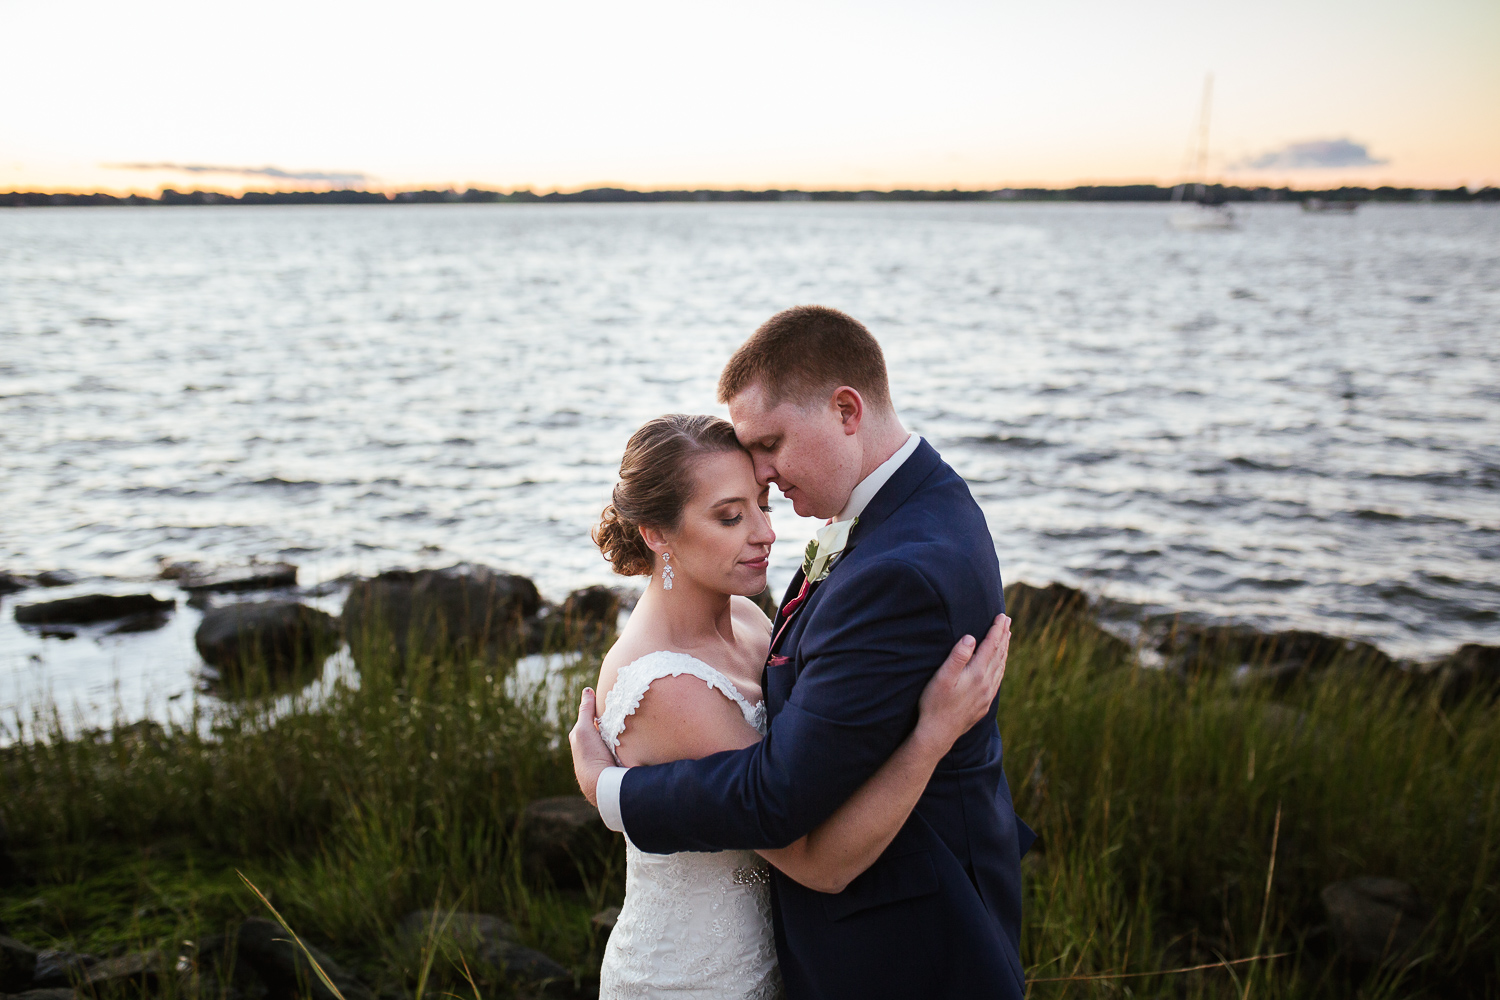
1295, 424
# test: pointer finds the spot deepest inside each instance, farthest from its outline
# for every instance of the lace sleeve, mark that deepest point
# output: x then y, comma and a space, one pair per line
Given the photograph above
635, 678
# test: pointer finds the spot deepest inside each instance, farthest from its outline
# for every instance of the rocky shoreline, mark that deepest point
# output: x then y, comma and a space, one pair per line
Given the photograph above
257, 613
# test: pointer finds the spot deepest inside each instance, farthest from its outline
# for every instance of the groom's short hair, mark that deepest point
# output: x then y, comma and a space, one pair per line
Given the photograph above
802, 353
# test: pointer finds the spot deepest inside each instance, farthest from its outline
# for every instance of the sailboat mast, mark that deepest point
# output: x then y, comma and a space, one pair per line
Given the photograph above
1204, 114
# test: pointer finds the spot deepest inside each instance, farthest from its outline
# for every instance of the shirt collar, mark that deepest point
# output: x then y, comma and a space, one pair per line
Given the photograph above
871, 484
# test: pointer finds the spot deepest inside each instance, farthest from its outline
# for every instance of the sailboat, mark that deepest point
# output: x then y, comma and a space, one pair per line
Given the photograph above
1200, 212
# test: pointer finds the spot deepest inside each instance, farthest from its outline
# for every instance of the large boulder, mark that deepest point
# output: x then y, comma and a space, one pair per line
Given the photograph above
281, 965
564, 838
17, 964
487, 938
91, 608
1473, 670
1061, 610
284, 636
1373, 918
464, 610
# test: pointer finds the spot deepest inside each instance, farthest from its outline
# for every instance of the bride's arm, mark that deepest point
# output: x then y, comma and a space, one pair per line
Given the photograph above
849, 841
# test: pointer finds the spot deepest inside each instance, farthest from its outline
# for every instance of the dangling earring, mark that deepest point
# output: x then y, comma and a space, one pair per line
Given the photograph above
666, 571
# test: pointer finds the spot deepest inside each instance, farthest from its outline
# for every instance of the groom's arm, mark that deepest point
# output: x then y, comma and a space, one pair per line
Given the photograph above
877, 641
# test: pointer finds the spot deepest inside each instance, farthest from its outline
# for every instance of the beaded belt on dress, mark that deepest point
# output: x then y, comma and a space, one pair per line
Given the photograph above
751, 876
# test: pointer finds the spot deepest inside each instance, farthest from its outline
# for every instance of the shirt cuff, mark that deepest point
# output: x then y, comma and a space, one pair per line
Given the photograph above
608, 794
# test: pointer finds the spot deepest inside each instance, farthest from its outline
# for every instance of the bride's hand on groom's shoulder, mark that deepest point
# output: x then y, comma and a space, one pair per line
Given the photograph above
962, 691
590, 753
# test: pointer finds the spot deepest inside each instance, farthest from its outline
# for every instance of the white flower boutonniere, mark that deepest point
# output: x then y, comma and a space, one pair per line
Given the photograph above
817, 561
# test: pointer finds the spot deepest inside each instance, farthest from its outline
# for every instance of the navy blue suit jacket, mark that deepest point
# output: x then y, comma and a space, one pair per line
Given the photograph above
939, 913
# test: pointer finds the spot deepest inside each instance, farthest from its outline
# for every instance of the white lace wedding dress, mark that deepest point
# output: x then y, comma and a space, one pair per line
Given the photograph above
694, 925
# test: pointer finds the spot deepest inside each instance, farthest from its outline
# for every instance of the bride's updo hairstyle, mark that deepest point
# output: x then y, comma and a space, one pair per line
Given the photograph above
655, 484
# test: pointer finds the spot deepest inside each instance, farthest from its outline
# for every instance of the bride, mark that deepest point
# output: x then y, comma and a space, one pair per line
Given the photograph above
689, 512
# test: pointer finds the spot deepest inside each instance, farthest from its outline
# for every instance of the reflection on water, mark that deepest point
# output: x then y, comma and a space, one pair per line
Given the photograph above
1293, 424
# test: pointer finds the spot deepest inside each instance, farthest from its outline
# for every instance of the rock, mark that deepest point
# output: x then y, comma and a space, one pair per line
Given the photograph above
282, 635
281, 965
466, 928
1038, 607
10, 583
172, 569
565, 838
468, 610
90, 608
587, 617
596, 605
17, 964
214, 972
1471, 670
146, 621
55, 578
1374, 918
60, 968
521, 962
1059, 609
487, 938
139, 969
253, 577
1277, 658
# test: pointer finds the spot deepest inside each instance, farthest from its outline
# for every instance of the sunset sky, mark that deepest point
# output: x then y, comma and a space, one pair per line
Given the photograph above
127, 95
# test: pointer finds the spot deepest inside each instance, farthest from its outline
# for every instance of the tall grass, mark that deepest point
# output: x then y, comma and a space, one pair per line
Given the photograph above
1155, 796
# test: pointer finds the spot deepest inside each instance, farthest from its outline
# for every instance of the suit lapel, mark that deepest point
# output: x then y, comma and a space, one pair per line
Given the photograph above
897, 490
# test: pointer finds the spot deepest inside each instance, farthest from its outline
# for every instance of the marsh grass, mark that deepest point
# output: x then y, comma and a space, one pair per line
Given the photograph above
1156, 797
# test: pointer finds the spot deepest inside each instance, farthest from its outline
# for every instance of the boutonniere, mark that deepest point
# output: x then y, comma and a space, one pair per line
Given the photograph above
817, 561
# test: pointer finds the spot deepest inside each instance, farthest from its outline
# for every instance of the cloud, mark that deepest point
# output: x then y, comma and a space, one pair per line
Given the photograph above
1319, 154
321, 176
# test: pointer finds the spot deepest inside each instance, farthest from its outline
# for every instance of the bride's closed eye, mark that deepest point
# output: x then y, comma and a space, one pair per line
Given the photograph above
730, 522
766, 507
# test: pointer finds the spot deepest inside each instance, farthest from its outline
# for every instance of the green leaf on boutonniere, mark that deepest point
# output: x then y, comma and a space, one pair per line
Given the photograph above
817, 560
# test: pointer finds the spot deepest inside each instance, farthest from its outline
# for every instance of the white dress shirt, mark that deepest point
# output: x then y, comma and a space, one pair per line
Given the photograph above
608, 789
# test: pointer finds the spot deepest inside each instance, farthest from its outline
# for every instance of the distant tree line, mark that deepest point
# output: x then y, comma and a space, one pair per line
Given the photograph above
1119, 192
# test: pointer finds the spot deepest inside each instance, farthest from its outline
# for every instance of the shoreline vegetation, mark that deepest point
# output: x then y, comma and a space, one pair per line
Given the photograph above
608, 195
1251, 794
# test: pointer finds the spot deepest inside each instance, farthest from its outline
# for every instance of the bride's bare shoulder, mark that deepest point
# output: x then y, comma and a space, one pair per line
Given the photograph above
749, 614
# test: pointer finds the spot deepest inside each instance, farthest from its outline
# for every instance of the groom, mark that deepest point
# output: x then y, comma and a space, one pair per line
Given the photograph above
939, 913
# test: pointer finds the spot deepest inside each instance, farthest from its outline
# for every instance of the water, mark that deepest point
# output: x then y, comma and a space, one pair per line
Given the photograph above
1293, 425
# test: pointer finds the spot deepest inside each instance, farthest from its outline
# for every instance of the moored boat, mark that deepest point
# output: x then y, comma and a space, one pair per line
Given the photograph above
1329, 205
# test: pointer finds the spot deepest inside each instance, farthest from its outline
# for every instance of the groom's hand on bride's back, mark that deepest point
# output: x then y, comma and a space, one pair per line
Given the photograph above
963, 690
590, 753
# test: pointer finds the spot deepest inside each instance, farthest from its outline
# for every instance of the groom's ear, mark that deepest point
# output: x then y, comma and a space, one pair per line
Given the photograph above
850, 407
